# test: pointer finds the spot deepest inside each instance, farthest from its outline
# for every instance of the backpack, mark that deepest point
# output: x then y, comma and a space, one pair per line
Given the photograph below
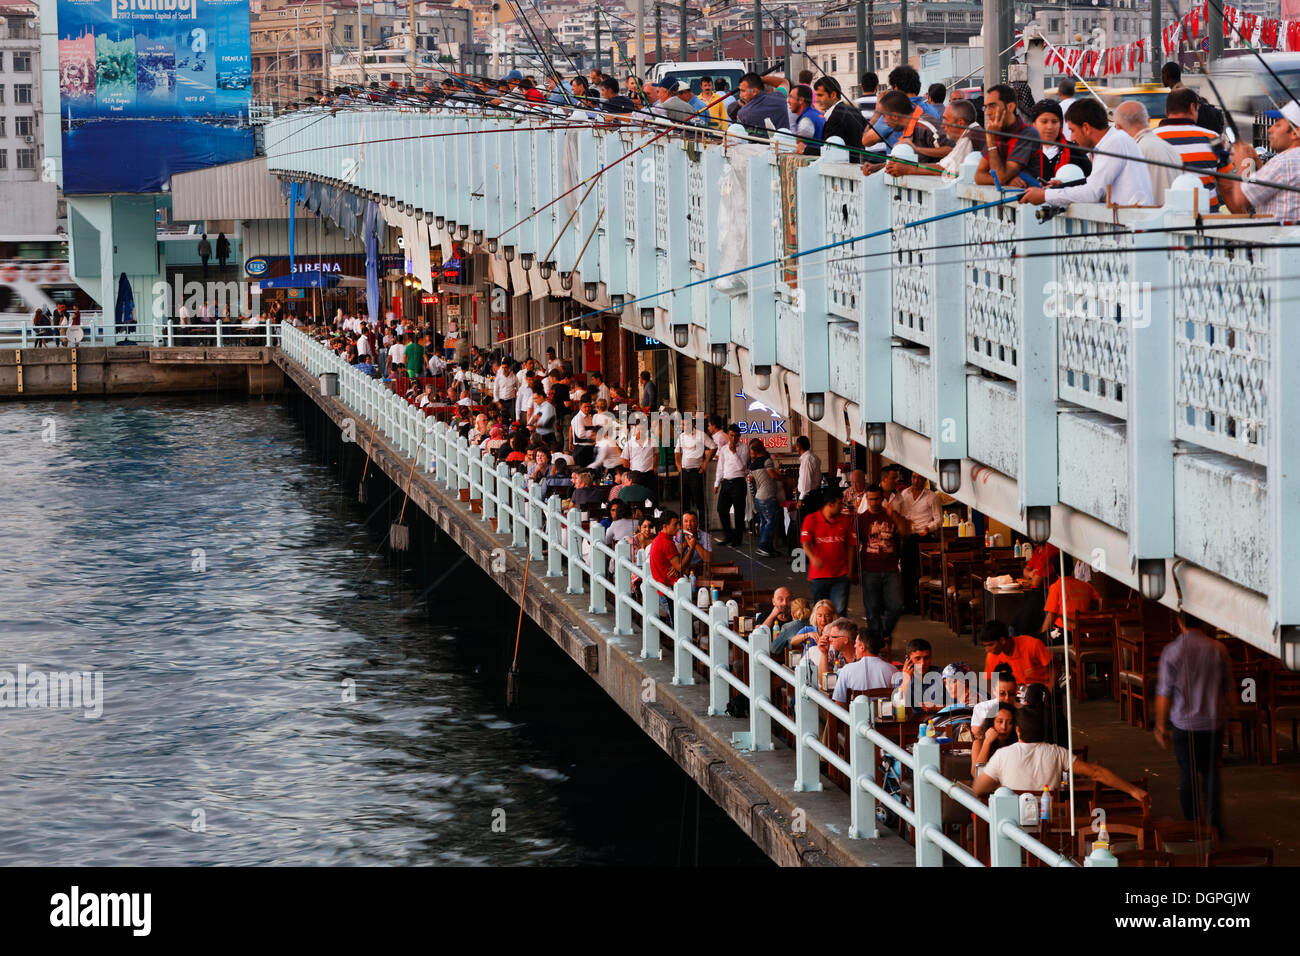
1209, 116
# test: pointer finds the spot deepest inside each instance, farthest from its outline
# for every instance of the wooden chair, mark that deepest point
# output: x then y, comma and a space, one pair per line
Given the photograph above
1144, 858
1131, 836
1188, 840
1242, 856
1248, 717
1138, 668
1283, 704
1092, 642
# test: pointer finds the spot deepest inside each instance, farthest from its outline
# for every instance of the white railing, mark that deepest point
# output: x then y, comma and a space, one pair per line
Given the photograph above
574, 555
99, 330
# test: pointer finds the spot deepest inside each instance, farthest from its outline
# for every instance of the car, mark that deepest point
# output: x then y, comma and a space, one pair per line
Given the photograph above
1150, 95
1249, 90
692, 72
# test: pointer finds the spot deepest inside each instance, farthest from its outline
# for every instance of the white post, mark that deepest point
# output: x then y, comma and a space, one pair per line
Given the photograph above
574, 550
927, 803
622, 587
719, 689
1004, 807
649, 611
807, 775
862, 763
683, 623
760, 689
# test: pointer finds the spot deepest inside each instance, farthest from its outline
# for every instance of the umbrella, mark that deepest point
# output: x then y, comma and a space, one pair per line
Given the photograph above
124, 312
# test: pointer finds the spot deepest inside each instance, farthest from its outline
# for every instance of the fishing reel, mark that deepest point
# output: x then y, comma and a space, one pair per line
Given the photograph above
1048, 213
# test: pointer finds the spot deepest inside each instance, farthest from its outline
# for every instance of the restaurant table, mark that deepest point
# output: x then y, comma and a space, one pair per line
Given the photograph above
1005, 606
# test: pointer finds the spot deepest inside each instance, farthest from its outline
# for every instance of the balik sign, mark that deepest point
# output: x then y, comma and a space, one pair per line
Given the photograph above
771, 429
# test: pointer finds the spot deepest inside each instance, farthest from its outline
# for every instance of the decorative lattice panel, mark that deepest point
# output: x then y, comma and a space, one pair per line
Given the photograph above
992, 324
659, 155
1222, 306
912, 278
698, 242
1094, 303
843, 210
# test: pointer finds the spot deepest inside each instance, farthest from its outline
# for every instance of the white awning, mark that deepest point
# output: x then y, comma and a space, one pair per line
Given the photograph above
243, 190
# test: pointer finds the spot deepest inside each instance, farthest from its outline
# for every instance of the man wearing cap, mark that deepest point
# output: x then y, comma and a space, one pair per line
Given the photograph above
1258, 194
758, 105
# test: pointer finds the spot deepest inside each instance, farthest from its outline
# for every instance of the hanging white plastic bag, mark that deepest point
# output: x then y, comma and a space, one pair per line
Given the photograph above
733, 219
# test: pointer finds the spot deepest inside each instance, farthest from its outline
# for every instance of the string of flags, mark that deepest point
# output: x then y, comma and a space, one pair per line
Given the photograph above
1281, 35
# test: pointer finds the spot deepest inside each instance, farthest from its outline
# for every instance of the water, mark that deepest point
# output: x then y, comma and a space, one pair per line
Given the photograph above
225, 584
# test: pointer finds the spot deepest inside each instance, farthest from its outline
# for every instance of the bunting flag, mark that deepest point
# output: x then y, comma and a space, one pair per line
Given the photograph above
1248, 28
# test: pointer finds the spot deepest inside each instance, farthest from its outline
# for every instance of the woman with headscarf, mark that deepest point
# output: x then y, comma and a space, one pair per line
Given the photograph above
1053, 152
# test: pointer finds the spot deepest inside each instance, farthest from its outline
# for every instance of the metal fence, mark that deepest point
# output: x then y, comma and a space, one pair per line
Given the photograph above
582, 560
98, 330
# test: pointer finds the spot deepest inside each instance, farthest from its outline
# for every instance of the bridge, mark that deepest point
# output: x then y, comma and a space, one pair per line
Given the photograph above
1116, 381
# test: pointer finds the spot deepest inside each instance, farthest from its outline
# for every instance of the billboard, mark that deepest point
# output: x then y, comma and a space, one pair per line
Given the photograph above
151, 88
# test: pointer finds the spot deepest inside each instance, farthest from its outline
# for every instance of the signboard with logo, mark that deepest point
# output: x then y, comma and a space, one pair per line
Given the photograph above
270, 267
643, 343
151, 88
757, 420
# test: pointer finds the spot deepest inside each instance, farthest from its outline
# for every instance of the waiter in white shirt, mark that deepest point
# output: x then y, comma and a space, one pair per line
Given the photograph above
729, 484
641, 455
692, 452
920, 506
582, 436
809, 487
1119, 171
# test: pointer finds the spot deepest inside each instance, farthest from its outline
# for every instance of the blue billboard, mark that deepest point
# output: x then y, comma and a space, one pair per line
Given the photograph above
151, 88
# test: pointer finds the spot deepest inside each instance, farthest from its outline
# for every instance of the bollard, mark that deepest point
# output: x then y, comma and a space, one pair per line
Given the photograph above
622, 587
683, 673
760, 689
862, 763
807, 772
1004, 807
573, 549
927, 803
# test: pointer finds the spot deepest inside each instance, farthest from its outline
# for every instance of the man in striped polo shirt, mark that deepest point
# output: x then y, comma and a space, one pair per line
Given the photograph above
1201, 150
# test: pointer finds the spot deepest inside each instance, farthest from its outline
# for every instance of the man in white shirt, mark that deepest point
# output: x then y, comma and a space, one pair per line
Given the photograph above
1165, 162
701, 557
598, 386
1119, 174
363, 346
396, 357
693, 450
640, 455
1066, 90
1031, 764
869, 671
504, 384
541, 416
810, 478
729, 486
920, 507
582, 435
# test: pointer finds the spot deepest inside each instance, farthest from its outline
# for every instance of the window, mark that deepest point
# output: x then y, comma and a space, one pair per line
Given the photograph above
3, 120
2, 62
2, 95
365, 31
22, 92
835, 67
26, 158
347, 32
22, 63
4, 159
23, 126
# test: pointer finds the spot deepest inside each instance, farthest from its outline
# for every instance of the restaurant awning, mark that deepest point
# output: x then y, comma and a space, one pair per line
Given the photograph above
306, 279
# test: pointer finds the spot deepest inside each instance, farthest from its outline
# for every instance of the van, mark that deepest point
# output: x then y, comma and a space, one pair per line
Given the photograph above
693, 71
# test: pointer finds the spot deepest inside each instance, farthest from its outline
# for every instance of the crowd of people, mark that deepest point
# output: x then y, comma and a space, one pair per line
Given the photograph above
1057, 150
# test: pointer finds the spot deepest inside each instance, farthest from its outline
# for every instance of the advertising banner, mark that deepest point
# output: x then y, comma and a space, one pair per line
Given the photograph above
150, 88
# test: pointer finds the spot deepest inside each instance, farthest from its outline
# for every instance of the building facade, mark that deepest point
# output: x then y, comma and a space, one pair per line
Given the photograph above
30, 204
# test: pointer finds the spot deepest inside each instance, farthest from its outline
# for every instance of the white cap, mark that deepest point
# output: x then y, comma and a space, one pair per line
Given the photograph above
1292, 113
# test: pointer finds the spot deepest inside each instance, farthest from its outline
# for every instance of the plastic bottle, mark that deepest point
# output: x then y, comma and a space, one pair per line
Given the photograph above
1103, 839
1045, 807
1015, 552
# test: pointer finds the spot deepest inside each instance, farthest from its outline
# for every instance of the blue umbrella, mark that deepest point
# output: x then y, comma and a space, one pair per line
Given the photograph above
124, 311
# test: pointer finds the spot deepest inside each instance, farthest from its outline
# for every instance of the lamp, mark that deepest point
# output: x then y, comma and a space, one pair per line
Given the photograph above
451, 228
462, 231
816, 405
1151, 578
493, 245
1038, 523
876, 437
647, 318
407, 282
681, 336
568, 330
526, 260
566, 280
597, 335
590, 289
410, 209
478, 237
616, 302
509, 253
718, 353
428, 218
439, 221
950, 475
544, 269
584, 335
763, 376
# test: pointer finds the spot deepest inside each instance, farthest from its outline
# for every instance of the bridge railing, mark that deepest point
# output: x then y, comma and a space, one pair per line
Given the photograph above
565, 551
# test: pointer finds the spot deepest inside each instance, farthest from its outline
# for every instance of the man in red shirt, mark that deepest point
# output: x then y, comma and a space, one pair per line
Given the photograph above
667, 560
1065, 598
1030, 660
829, 540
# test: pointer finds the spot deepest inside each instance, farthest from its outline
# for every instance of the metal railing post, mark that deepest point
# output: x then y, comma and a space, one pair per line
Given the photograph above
927, 803
504, 512
554, 550
535, 517
1004, 807
807, 772
171, 335
649, 611
760, 689
219, 342
598, 565
718, 647
573, 550
622, 587
683, 622
519, 510
462, 466
489, 488
862, 763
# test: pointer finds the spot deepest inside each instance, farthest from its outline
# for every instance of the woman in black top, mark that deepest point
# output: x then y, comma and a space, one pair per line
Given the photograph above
1053, 153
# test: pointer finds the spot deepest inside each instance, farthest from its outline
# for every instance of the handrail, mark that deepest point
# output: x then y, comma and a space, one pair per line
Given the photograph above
558, 538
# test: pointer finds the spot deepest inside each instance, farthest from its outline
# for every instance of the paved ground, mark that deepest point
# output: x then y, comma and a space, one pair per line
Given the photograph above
1261, 804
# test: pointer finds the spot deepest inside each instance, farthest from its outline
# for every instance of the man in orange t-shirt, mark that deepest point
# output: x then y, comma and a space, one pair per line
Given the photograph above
1078, 596
1030, 660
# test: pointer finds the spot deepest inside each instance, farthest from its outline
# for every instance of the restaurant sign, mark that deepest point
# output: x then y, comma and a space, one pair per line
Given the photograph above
757, 420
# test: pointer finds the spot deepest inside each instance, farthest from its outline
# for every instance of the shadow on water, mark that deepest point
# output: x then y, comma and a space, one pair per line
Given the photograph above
212, 561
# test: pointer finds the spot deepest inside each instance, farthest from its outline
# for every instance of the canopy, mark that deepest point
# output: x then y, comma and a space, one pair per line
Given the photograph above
303, 279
